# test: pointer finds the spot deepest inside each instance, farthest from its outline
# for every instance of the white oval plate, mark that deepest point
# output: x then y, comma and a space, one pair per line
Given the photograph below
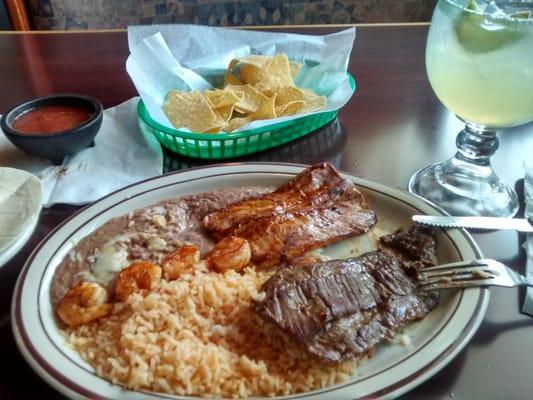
394, 369
21, 199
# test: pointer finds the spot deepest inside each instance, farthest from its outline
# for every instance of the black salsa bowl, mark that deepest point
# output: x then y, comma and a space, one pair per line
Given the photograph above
55, 146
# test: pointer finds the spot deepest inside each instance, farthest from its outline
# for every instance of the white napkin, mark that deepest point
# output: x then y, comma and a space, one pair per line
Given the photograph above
527, 307
121, 156
20, 203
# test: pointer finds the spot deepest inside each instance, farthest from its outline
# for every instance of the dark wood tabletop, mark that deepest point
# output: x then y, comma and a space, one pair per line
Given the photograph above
392, 126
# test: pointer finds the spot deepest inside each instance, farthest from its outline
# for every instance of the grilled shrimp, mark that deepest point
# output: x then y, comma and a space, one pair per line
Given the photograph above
84, 302
230, 253
181, 260
138, 276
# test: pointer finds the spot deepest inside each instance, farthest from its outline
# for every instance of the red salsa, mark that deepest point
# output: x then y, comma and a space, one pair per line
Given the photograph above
51, 119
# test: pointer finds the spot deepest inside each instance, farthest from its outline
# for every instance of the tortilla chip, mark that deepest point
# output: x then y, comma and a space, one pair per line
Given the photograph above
221, 98
215, 129
225, 112
313, 102
251, 74
277, 73
236, 123
255, 87
252, 99
267, 110
286, 94
259, 61
229, 77
252, 69
192, 111
290, 108
295, 68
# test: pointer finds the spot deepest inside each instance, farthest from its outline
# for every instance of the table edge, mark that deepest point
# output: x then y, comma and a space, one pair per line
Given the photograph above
281, 27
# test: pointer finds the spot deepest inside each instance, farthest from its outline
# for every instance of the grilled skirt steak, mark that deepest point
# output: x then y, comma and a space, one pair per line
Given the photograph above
314, 185
416, 245
316, 208
342, 308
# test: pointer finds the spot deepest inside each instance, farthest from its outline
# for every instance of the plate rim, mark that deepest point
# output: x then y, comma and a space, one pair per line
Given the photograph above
35, 359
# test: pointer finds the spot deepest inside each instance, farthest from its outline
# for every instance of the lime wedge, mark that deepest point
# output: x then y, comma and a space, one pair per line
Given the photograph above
472, 6
476, 36
522, 15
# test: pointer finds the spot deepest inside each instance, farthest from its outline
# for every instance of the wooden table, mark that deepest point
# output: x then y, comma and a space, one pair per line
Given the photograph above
393, 125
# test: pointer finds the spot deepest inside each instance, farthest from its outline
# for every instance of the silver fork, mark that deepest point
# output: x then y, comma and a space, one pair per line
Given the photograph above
465, 274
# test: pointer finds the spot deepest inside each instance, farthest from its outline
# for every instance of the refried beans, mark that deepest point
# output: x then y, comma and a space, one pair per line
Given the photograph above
148, 233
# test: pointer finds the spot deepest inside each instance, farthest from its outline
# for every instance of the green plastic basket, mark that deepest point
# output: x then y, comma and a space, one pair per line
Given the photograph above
228, 145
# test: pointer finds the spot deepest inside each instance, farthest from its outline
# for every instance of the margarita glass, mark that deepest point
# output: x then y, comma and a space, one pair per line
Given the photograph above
479, 60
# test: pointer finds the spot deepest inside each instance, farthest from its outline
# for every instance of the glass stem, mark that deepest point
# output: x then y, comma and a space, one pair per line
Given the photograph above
466, 184
476, 144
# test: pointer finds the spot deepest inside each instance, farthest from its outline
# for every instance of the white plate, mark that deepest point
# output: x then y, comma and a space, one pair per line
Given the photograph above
20, 204
393, 370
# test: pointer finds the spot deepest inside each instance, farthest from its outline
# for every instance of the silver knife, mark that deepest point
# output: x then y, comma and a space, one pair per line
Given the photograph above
517, 224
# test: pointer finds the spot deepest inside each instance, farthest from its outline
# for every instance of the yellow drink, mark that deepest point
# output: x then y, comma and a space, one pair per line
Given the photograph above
481, 68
